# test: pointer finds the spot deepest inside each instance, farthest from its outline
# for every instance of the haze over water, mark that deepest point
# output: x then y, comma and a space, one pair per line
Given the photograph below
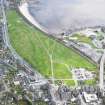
60, 15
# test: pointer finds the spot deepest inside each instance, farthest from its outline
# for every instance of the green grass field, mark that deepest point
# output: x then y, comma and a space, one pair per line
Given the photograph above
84, 39
42, 52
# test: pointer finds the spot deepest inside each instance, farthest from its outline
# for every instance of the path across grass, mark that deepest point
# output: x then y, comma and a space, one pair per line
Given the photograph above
41, 51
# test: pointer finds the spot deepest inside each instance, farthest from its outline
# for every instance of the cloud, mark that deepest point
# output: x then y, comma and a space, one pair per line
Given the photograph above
57, 15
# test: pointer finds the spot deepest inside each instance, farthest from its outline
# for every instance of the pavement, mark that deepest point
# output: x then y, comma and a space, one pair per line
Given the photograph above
102, 62
82, 101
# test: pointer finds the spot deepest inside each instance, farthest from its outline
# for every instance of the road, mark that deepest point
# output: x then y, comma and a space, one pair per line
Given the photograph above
13, 52
82, 101
102, 62
55, 96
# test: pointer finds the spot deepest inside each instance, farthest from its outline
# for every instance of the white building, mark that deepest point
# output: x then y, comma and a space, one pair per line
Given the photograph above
90, 97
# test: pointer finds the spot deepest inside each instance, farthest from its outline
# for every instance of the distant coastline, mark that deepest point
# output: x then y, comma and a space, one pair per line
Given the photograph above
55, 24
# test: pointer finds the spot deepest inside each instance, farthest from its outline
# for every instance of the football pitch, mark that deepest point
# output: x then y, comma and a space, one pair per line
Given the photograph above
52, 59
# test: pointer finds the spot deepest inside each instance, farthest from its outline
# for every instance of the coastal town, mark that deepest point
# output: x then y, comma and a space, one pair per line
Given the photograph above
22, 84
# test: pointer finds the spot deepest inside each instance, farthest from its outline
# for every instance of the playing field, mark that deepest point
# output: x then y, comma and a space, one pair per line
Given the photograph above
49, 57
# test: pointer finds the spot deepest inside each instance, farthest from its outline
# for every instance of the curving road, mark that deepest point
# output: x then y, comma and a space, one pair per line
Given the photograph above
102, 62
14, 53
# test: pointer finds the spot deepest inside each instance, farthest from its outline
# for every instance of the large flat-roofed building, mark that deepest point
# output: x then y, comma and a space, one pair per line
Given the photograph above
90, 97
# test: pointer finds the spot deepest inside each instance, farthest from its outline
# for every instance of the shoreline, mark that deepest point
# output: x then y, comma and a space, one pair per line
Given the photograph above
24, 10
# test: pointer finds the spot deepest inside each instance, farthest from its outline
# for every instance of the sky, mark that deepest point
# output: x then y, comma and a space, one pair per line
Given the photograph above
61, 15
